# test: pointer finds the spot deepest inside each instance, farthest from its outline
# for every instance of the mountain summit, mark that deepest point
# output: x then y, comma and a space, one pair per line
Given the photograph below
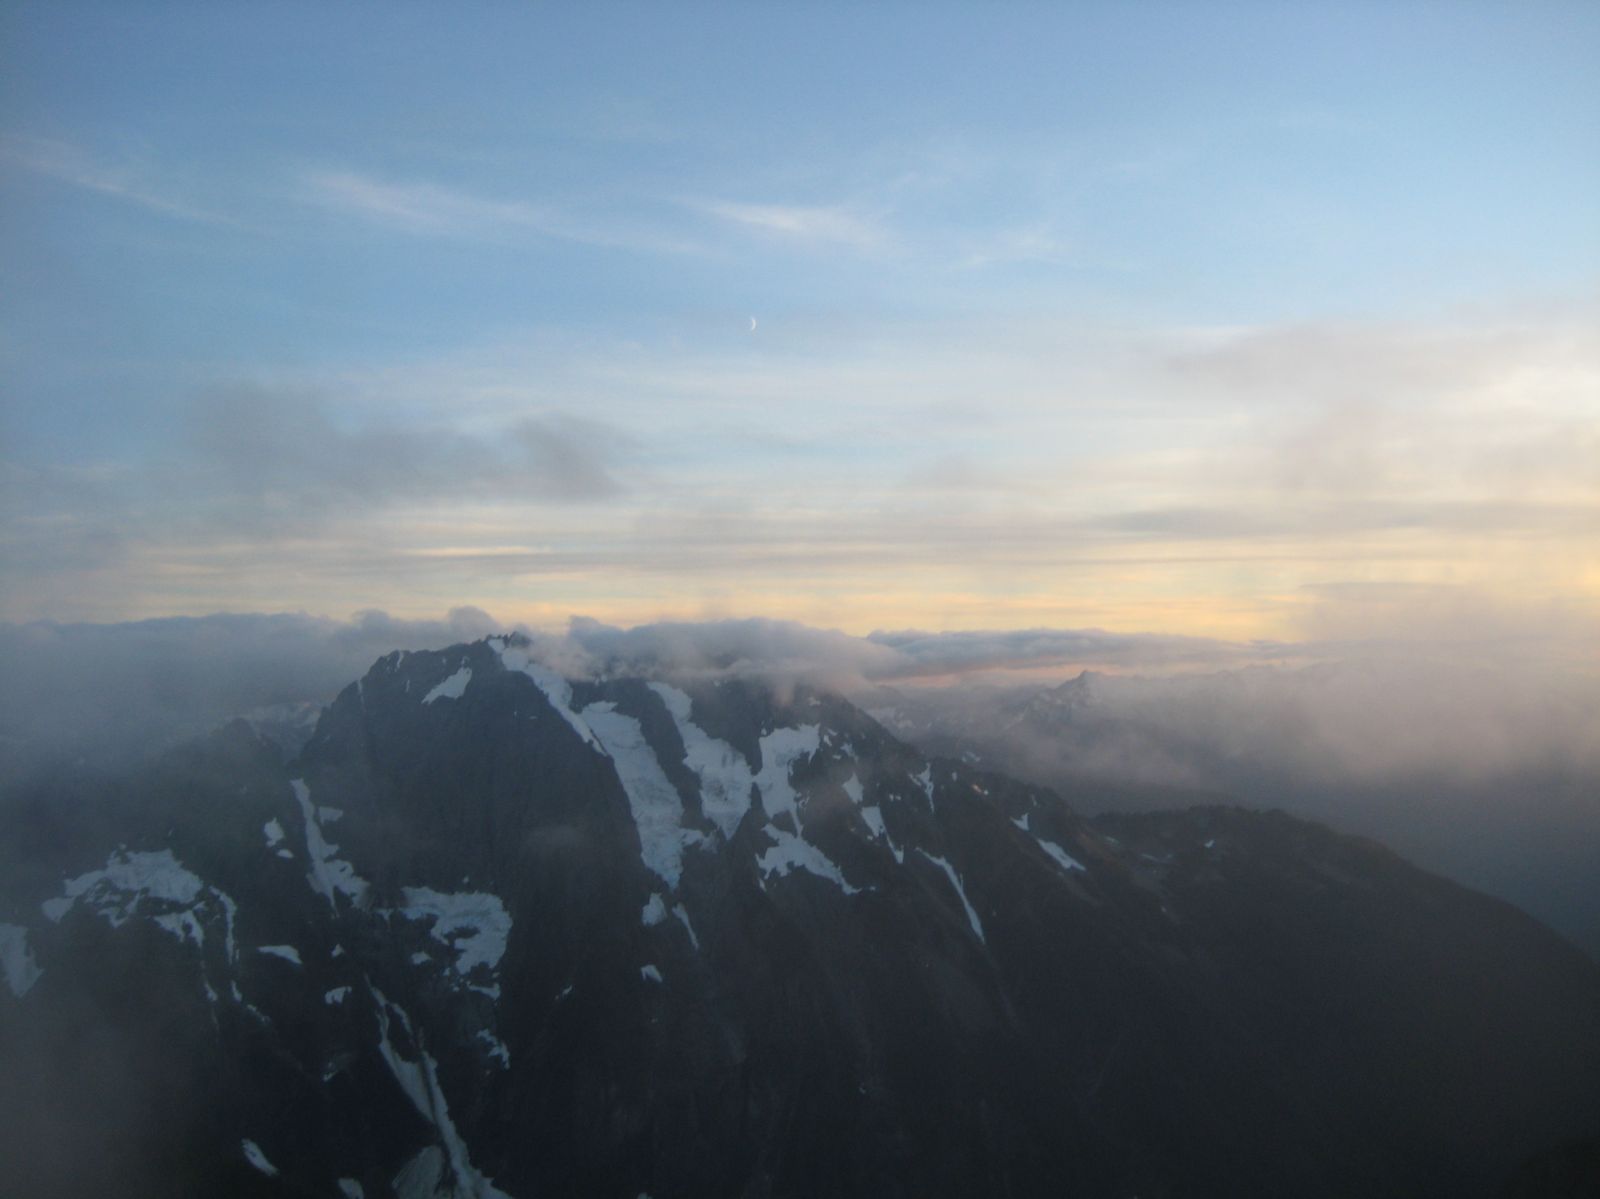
495, 932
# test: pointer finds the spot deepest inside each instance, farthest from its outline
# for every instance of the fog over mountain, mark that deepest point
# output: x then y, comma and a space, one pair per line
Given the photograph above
1322, 711
1487, 769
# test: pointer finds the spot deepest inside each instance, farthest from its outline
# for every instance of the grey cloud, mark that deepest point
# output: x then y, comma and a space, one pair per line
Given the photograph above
773, 648
114, 689
1200, 523
274, 453
1377, 717
826, 657
1340, 362
1459, 746
958, 473
1469, 750
1469, 700
1394, 684
1468, 756
266, 479
570, 455
110, 691
1030, 649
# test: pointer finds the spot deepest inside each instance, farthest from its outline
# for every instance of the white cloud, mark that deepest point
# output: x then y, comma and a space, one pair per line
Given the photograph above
430, 209
128, 182
827, 223
422, 207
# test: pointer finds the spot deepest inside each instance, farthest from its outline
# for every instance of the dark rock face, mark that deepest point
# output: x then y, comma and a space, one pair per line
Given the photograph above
497, 933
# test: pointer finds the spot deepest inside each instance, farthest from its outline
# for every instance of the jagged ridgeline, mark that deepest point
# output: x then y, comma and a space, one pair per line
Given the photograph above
493, 932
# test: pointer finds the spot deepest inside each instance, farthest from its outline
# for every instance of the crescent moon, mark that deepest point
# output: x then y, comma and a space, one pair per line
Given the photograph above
752, 324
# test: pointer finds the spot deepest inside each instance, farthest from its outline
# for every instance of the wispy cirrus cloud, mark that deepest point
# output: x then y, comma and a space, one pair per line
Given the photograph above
429, 209
1036, 243
422, 207
836, 223
127, 181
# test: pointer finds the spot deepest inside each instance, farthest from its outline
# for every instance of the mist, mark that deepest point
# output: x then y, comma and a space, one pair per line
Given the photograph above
1162, 709
100, 695
1479, 758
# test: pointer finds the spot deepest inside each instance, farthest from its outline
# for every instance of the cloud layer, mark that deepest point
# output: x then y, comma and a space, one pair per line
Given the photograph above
1375, 708
1476, 750
1211, 483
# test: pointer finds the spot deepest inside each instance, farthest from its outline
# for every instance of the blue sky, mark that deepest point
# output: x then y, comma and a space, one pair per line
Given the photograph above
1200, 318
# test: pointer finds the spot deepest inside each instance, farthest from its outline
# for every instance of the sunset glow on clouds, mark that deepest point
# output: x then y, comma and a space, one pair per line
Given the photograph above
1200, 321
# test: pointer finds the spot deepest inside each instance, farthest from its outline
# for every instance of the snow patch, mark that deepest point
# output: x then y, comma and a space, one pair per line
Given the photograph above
655, 911
683, 919
326, 874
133, 883
961, 893
925, 781
650, 974
474, 925
16, 959
273, 831
253, 1155
874, 819
496, 1047
351, 1189
555, 688
725, 775
419, 1080
852, 788
128, 878
419, 1178
336, 996
1062, 857
287, 952
791, 853
184, 925
780, 750
452, 687
657, 807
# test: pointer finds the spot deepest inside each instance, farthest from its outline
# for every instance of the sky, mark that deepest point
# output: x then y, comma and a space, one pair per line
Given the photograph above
1253, 322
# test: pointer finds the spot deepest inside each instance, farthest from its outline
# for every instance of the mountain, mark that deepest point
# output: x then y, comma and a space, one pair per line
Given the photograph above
1517, 816
494, 932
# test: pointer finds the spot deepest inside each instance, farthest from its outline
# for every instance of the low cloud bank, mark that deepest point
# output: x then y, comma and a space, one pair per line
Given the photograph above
1478, 755
1359, 721
934, 654
104, 693
1171, 709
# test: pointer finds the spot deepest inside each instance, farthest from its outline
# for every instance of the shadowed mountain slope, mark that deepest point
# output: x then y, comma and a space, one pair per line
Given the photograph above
495, 932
